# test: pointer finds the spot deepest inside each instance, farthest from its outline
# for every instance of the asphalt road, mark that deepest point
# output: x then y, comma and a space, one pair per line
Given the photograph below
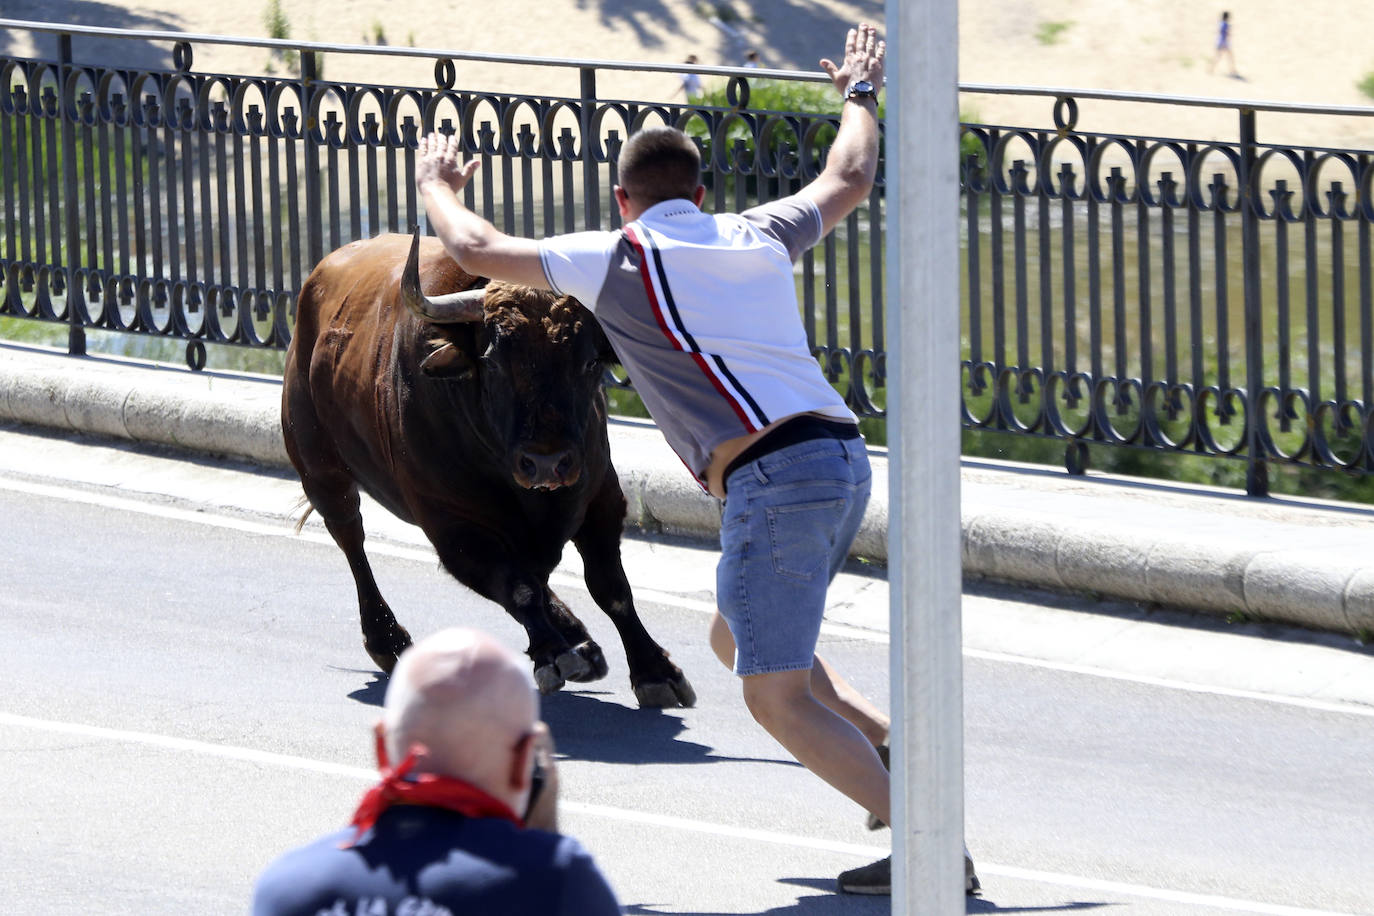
185, 695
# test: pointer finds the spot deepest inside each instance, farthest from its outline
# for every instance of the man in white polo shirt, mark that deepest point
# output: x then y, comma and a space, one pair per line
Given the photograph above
702, 312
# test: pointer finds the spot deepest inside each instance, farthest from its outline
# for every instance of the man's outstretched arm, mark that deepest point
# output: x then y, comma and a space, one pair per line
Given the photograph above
852, 162
478, 246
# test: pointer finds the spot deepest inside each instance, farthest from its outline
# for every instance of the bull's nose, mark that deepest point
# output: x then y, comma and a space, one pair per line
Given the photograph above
539, 469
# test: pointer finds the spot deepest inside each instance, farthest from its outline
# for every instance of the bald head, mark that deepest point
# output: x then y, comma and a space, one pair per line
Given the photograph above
469, 701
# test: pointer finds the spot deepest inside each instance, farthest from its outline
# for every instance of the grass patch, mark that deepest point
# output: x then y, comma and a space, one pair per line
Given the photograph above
1049, 33
1366, 85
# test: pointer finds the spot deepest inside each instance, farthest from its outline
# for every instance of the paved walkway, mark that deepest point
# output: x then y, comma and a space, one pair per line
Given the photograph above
1292, 561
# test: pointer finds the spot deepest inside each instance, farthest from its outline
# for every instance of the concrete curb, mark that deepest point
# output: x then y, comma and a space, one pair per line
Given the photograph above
1305, 564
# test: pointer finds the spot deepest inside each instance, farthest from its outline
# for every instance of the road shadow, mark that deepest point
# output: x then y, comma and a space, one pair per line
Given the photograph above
124, 53
983, 905
373, 693
830, 902
1196, 621
591, 725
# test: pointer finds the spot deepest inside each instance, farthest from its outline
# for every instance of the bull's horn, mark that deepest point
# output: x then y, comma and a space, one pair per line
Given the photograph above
451, 309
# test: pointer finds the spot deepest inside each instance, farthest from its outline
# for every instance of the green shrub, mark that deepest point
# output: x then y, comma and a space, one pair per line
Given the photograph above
1366, 85
275, 21
1047, 33
278, 27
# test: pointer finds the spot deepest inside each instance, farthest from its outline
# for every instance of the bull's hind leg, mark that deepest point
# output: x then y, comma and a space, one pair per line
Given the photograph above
383, 637
335, 497
656, 681
558, 643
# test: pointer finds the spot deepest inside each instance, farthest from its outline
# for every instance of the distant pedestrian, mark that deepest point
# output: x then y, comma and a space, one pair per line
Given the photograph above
1224, 45
691, 83
751, 59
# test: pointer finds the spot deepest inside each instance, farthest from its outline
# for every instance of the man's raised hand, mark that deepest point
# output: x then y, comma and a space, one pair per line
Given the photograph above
440, 161
864, 53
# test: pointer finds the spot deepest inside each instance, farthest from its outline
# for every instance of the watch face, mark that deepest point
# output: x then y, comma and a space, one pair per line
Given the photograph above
862, 87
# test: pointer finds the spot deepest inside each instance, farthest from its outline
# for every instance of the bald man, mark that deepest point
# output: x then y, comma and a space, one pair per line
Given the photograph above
460, 748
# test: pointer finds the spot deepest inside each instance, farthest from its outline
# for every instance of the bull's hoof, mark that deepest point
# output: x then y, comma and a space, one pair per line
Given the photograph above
593, 665
384, 652
573, 666
665, 694
547, 679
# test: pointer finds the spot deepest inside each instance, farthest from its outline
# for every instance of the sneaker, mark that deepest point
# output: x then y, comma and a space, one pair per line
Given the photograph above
868, 879
876, 878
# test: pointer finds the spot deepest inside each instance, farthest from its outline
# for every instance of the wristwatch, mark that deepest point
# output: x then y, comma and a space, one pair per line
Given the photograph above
861, 89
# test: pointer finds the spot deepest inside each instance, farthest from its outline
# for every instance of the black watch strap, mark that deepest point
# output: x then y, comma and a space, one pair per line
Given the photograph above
861, 89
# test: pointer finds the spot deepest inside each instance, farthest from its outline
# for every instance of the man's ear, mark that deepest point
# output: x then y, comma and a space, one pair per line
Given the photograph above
622, 200
699, 194
449, 362
379, 733
522, 764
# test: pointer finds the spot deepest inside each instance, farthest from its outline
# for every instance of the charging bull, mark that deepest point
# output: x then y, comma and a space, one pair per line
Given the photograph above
477, 415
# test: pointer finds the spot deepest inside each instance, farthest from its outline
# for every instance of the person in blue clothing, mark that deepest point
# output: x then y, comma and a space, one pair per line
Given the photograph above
1224, 45
460, 751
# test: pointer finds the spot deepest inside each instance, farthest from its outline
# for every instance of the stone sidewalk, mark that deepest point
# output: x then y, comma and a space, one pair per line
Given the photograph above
1303, 562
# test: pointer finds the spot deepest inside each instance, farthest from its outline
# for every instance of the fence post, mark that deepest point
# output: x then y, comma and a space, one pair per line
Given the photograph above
591, 191
71, 212
314, 227
1256, 470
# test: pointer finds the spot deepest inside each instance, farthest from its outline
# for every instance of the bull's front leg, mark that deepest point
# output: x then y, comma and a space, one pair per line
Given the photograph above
656, 681
559, 645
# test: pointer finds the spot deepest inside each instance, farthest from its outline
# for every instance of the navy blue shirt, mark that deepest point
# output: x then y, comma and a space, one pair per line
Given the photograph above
423, 861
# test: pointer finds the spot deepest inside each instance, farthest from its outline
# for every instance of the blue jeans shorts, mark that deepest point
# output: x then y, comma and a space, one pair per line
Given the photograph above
788, 520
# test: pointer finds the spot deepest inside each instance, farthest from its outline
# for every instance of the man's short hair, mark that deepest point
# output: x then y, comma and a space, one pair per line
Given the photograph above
658, 164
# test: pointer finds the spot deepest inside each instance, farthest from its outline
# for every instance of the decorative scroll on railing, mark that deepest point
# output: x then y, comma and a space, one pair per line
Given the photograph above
1173, 295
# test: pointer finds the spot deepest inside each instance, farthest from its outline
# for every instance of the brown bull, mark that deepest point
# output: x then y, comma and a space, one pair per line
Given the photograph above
479, 417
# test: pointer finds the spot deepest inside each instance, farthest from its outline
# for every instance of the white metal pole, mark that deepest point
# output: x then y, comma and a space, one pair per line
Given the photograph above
922, 124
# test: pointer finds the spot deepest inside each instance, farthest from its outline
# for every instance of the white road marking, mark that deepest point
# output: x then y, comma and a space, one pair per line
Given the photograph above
1350, 709
568, 581
290, 762
1154, 893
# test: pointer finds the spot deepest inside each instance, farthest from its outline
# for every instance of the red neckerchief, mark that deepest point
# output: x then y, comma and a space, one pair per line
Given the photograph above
422, 789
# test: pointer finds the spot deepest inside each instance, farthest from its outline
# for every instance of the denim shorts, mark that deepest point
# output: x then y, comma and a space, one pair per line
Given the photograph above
788, 520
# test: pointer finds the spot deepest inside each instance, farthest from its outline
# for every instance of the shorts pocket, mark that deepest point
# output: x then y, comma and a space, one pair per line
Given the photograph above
802, 534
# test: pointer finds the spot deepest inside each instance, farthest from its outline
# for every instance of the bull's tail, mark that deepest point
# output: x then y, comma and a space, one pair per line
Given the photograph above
303, 502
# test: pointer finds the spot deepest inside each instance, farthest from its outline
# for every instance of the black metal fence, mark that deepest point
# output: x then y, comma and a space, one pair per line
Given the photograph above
1177, 295
1169, 294
192, 205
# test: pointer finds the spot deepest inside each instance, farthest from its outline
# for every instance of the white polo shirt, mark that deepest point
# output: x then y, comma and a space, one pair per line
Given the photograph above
702, 311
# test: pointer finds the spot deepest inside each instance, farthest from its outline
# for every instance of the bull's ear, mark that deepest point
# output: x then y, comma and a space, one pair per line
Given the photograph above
448, 362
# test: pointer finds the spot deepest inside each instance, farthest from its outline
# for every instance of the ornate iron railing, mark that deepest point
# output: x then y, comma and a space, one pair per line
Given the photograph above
192, 205
1178, 295
1169, 294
